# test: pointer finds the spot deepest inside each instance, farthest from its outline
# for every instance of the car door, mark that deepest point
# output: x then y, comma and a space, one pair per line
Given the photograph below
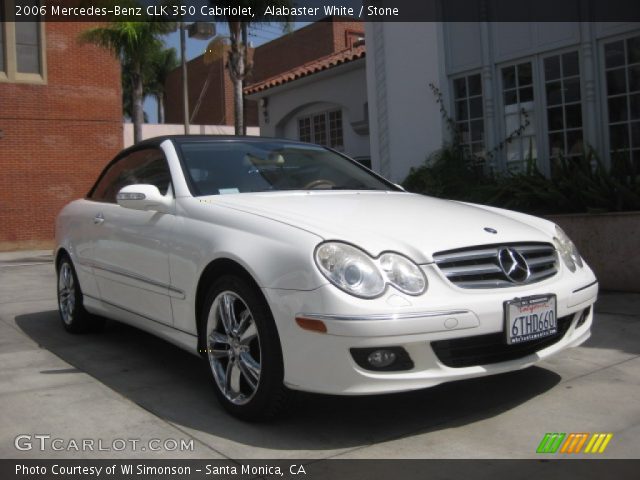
130, 247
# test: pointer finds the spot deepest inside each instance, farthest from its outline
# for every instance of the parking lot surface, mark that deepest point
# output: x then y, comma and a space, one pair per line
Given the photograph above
126, 384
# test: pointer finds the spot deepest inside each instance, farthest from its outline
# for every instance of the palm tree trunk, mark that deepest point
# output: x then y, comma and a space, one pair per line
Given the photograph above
245, 50
138, 111
160, 99
236, 69
238, 106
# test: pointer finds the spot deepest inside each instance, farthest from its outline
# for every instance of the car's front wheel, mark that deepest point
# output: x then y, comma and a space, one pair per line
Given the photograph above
75, 318
243, 350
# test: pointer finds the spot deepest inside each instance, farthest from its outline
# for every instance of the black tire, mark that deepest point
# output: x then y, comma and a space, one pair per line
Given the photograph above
74, 317
249, 399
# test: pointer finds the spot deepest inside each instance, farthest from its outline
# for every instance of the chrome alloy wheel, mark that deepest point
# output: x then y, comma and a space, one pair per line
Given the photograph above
233, 348
66, 293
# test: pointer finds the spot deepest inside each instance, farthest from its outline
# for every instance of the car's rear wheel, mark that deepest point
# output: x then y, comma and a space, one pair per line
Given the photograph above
243, 350
75, 318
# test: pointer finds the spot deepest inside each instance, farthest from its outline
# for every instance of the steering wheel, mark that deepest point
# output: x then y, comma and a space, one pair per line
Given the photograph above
321, 183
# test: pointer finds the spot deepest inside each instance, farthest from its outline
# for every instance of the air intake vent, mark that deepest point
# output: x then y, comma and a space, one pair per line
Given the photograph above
498, 266
492, 348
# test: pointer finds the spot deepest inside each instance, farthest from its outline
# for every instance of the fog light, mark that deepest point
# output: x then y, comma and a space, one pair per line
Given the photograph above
381, 358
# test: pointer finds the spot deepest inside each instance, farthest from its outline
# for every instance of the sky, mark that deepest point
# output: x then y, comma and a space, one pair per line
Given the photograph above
259, 33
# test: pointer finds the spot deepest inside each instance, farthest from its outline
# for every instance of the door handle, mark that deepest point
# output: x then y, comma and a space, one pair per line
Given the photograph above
98, 219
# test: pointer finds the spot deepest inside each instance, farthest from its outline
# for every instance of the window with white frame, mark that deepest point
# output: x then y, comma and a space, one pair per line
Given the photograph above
2, 34
518, 101
304, 129
322, 128
27, 47
563, 106
21, 46
336, 139
319, 123
469, 115
622, 71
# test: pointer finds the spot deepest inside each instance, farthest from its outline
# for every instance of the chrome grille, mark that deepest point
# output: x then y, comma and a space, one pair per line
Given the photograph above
478, 267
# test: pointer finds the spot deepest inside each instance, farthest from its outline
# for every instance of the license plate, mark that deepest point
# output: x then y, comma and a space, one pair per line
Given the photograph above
530, 318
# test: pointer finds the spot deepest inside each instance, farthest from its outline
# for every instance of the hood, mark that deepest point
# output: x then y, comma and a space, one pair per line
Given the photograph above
414, 225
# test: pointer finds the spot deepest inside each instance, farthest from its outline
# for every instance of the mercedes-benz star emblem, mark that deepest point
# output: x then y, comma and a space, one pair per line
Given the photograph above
513, 265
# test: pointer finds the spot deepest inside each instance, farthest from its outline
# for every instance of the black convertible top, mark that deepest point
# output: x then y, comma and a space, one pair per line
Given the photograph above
179, 139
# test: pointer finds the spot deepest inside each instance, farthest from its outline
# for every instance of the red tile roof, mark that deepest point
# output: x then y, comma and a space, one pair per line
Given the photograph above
323, 63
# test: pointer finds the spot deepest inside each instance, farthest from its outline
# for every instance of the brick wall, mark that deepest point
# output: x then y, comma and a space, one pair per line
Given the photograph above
217, 103
214, 102
56, 138
304, 45
281, 54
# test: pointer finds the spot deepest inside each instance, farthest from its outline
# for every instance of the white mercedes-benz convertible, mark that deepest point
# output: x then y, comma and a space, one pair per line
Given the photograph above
288, 266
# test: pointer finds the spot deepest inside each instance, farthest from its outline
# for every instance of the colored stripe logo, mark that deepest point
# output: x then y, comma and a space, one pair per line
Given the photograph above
550, 443
574, 443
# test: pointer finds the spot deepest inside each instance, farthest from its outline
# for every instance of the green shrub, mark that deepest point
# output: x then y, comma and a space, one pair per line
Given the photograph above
577, 185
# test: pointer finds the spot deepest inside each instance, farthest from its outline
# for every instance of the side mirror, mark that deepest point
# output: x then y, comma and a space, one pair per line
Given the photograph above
143, 197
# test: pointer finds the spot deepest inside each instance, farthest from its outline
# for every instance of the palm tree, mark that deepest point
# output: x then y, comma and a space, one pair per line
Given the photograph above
127, 93
133, 43
162, 63
239, 63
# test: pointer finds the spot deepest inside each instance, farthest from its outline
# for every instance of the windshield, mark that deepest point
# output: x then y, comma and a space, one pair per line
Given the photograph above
225, 167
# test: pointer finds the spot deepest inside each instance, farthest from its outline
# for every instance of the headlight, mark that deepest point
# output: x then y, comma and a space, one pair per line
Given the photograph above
403, 274
568, 251
355, 272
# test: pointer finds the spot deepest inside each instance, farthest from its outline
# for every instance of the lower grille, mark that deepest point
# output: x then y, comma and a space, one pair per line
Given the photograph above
492, 348
479, 267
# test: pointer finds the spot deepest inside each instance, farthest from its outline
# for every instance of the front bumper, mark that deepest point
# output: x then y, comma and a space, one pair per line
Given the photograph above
323, 363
